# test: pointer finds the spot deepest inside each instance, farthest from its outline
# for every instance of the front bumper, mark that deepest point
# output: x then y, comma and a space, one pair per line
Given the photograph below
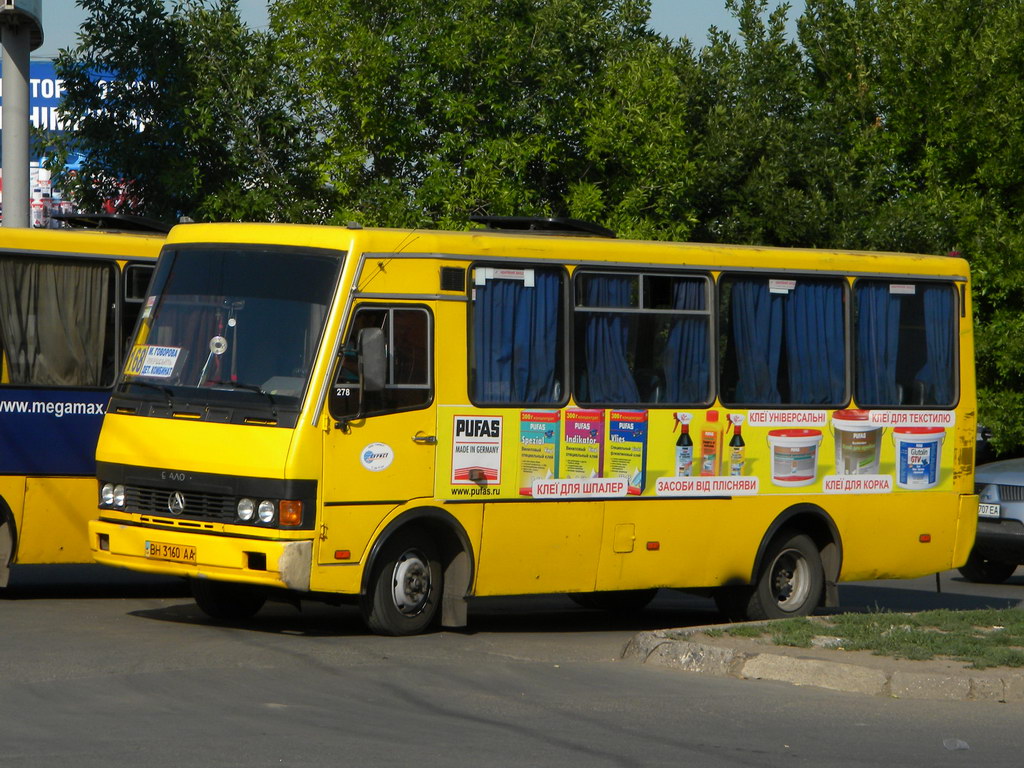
270, 563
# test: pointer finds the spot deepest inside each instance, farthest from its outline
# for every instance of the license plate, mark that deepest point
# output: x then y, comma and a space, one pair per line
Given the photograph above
988, 510
179, 553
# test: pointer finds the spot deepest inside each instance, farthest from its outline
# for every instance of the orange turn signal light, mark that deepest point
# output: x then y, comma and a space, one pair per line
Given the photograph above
290, 512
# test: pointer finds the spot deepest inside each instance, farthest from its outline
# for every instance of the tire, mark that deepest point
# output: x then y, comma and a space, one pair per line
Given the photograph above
225, 601
405, 587
622, 601
981, 570
790, 583
6, 550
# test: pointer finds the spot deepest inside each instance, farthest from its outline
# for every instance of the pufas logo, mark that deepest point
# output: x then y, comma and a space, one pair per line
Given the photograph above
376, 457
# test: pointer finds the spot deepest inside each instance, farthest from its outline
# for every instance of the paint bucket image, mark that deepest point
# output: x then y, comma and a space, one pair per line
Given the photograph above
794, 456
918, 450
858, 443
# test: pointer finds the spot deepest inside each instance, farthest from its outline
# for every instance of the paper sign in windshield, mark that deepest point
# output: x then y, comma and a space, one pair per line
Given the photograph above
155, 362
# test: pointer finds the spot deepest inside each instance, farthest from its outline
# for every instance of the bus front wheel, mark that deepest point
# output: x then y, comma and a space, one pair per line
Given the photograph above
226, 601
406, 586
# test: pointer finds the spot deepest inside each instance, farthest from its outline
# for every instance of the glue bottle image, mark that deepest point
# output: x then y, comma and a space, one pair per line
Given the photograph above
711, 446
737, 448
684, 446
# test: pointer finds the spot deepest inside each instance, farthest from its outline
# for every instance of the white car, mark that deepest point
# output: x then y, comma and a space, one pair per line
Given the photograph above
999, 546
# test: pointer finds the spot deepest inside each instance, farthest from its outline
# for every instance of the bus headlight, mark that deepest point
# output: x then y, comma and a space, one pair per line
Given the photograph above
266, 511
112, 495
246, 510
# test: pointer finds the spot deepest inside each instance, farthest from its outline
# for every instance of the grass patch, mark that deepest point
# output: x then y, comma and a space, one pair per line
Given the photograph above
982, 639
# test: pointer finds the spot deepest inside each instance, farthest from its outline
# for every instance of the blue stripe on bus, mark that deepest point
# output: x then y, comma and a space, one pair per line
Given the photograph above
50, 431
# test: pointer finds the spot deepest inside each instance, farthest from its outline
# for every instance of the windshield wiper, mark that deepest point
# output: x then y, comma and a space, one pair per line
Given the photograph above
165, 391
246, 387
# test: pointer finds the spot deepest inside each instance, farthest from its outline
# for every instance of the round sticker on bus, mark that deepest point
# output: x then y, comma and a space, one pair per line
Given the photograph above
377, 456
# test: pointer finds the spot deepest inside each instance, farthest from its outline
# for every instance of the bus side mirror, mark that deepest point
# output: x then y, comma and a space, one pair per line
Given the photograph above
372, 360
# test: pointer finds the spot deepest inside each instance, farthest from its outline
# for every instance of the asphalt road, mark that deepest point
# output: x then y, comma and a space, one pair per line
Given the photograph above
104, 668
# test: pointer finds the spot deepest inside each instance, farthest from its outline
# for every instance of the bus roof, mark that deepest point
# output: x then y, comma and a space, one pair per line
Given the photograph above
62, 242
571, 249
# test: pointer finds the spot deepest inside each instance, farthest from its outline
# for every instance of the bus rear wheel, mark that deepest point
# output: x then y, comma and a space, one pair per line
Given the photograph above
405, 587
225, 601
791, 583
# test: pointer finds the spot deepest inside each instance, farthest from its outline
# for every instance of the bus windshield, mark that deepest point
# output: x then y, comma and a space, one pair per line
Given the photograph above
228, 323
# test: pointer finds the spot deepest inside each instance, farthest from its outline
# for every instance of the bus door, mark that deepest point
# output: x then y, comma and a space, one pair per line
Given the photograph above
379, 446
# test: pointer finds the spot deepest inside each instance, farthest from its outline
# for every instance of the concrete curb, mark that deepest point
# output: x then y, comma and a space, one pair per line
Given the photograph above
672, 649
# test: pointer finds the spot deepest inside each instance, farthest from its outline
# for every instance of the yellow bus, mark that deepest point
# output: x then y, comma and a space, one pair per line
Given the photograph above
69, 299
415, 418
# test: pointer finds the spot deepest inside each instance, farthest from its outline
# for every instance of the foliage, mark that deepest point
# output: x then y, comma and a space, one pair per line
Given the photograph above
433, 110
188, 115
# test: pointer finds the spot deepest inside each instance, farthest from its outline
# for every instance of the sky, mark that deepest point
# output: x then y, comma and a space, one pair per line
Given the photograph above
672, 18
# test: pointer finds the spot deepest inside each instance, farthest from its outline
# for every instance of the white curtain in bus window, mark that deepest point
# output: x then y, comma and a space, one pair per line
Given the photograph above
641, 339
906, 343
785, 341
517, 335
53, 322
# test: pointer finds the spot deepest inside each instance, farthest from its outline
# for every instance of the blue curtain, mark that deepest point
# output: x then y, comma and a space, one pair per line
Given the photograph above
757, 337
686, 362
815, 343
937, 373
515, 335
878, 329
609, 377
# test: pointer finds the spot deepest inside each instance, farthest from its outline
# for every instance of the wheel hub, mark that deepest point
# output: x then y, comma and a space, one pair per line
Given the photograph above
410, 584
791, 580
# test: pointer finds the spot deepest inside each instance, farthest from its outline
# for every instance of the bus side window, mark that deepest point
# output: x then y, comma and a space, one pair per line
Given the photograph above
641, 339
57, 322
408, 382
136, 283
783, 340
517, 348
905, 345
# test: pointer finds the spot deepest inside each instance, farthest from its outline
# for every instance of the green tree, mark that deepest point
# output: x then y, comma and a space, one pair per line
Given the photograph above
431, 110
187, 108
748, 117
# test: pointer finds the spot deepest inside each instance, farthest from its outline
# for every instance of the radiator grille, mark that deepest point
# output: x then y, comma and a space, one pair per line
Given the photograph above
1006, 492
198, 506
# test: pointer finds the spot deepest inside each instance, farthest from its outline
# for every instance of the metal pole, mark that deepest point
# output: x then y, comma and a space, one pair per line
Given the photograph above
15, 39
